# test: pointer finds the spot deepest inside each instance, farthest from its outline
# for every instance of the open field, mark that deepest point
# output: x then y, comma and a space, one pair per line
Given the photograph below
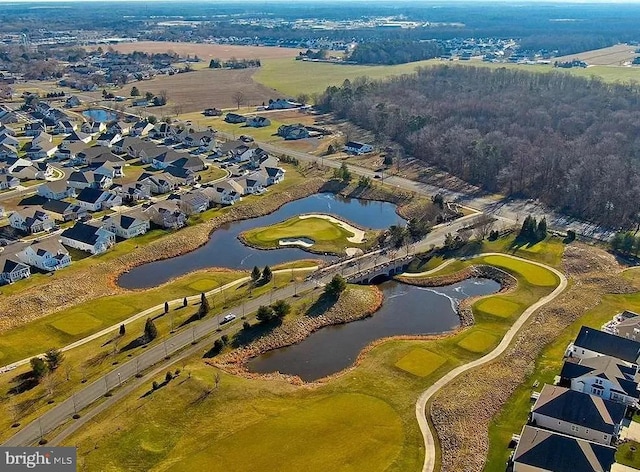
612, 56
183, 421
204, 51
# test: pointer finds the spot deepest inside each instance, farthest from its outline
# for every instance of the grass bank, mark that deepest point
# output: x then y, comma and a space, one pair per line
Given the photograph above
190, 422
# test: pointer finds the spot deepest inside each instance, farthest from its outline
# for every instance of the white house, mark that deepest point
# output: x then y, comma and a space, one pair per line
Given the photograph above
133, 192
578, 414
250, 185
605, 376
272, 175
93, 128
80, 180
31, 220
93, 199
227, 192
141, 128
167, 214
540, 450
88, 238
591, 342
111, 169
12, 269
159, 183
108, 139
56, 190
48, 255
355, 147
75, 137
125, 226
65, 127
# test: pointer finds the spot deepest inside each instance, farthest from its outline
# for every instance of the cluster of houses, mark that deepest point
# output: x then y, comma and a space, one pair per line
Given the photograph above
164, 197
575, 424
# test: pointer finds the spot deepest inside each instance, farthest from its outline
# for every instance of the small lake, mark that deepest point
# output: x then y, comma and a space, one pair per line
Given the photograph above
100, 115
406, 310
224, 249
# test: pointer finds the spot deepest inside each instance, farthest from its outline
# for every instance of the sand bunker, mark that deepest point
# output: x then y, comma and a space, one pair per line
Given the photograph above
358, 234
304, 242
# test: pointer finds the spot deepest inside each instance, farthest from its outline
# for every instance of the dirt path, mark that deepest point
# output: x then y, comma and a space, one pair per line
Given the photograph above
429, 442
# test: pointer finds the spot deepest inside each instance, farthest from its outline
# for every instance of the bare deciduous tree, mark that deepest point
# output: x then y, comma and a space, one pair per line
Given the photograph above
483, 226
238, 98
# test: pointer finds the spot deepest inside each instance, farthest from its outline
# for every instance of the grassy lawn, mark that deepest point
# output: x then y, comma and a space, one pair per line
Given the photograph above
514, 413
268, 424
626, 456
212, 173
324, 235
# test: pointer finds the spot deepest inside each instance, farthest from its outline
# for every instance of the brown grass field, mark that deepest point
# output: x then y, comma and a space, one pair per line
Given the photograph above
612, 56
206, 51
204, 88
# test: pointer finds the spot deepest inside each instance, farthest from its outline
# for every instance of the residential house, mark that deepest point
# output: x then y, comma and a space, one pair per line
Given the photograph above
355, 147
88, 238
120, 127
12, 269
272, 175
167, 214
235, 118
258, 122
72, 102
625, 324
70, 151
47, 254
136, 148
95, 127
141, 102
8, 181
41, 147
192, 202
65, 211
133, 192
540, 450
250, 185
83, 179
56, 190
125, 225
8, 152
227, 192
183, 176
6, 130
164, 130
212, 112
159, 183
605, 376
110, 169
64, 127
591, 342
9, 140
166, 158
93, 199
108, 138
141, 128
293, 132
34, 128
76, 137
8, 116
578, 414
203, 140
31, 220
282, 104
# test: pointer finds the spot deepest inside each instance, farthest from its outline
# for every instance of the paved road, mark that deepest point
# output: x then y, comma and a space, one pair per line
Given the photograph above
421, 414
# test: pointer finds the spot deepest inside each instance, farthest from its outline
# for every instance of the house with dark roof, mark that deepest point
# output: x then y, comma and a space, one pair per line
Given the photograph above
93, 128
578, 414
125, 225
89, 179
76, 137
355, 147
65, 127
591, 342
293, 132
272, 175
31, 220
64, 211
47, 254
604, 376
235, 118
6, 130
192, 202
258, 122
12, 269
540, 450
108, 138
227, 192
167, 214
88, 238
159, 183
135, 147
133, 192
93, 199
34, 128
56, 190
8, 181
9, 140
141, 128
250, 185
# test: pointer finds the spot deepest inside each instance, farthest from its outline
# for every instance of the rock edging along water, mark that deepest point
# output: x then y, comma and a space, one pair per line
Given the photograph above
348, 308
507, 283
68, 288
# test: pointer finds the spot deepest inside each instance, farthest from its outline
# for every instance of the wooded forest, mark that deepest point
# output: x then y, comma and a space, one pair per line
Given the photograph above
395, 52
573, 143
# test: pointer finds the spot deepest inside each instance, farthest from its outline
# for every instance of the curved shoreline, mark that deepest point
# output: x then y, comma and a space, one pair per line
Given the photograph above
236, 361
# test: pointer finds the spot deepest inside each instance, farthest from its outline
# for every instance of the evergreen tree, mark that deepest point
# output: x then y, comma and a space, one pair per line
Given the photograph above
135, 92
150, 330
38, 367
166, 307
542, 229
267, 275
337, 285
281, 308
255, 274
53, 358
184, 302
204, 307
265, 314
122, 330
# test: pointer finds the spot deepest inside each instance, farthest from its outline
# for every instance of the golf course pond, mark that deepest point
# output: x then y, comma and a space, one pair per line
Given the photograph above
224, 249
406, 310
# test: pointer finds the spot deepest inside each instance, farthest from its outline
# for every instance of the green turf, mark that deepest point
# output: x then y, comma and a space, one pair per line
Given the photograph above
342, 432
420, 362
535, 275
626, 456
498, 306
76, 323
478, 341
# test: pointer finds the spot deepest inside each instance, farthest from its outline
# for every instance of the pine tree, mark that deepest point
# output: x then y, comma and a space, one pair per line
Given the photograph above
150, 330
281, 308
122, 330
255, 274
53, 358
265, 314
166, 307
542, 229
267, 275
38, 367
184, 302
204, 307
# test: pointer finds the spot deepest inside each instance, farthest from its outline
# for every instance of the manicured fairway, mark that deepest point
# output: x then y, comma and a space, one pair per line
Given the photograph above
535, 275
478, 341
343, 432
497, 306
420, 362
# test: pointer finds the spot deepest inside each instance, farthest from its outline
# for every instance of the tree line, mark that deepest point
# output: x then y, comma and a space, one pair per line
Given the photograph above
395, 52
570, 142
234, 63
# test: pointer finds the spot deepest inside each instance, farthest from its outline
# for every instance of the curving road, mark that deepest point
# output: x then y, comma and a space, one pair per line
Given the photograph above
421, 403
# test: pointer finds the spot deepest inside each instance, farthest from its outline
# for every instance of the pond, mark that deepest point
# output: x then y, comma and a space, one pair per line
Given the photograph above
224, 249
406, 310
100, 114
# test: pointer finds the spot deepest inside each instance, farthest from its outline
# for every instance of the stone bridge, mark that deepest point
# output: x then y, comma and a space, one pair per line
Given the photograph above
384, 269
